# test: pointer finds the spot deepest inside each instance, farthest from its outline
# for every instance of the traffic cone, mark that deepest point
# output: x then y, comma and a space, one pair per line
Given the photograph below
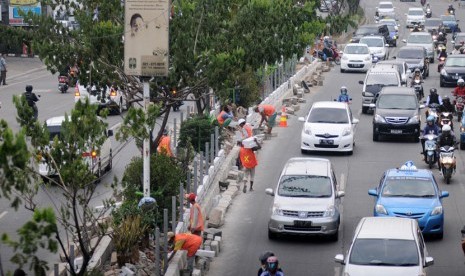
283, 120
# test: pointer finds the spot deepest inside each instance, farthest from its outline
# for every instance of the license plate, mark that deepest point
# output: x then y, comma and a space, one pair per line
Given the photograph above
356, 65
326, 142
396, 131
302, 223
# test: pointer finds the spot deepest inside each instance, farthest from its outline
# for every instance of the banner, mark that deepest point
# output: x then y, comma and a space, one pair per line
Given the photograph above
22, 5
146, 37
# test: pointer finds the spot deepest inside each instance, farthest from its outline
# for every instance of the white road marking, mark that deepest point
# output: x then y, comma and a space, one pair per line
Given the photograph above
337, 270
3, 214
342, 182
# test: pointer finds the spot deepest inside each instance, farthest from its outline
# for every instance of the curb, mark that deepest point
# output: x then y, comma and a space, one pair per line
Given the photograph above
22, 55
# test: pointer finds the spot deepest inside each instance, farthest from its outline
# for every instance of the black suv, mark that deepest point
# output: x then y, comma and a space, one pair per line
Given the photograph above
376, 29
397, 113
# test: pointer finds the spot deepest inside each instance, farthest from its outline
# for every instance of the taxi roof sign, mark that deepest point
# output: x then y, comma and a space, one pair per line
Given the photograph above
408, 166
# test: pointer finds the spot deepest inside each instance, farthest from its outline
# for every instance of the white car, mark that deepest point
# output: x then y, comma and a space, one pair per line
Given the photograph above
386, 246
329, 126
386, 9
356, 57
99, 160
113, 99
415, 16
377, 46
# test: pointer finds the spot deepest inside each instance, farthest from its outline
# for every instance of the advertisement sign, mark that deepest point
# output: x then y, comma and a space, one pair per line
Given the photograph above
146, 44
25, 6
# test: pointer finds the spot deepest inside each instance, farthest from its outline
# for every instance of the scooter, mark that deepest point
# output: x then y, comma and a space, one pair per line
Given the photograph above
442, 60
430, 149
447, 162
418, 88
446, 119
63, 84
459, 105
433, 111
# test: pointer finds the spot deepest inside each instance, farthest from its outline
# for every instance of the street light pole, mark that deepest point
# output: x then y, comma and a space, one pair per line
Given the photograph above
146, 145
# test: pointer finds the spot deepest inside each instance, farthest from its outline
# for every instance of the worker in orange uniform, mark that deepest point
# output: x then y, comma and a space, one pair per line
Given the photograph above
196, 223
245, 129
249, 162
186, 241
268, 113
225, 116
164, 146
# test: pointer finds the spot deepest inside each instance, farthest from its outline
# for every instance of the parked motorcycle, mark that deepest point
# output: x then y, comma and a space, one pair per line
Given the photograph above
446, 119
459, 105
447, 162
63, 84
441, 60
417, 85
430, 149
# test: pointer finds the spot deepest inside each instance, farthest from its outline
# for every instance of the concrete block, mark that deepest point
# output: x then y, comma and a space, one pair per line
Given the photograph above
215, 246
216, 217
233, 175
207, 247
114, 258
213, 231
302, 100
300, 95
296, 107
294, 100
101, 254
226, 197
320, 83
325, 69
233, 190
224, 204
290, 110
125, 271
207, 243
210, 237
196, 272
205, 253
218, 239
203, 264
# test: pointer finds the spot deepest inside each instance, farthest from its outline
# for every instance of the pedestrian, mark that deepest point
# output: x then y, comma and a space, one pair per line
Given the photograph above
196, 222
186, 241
3, 69
249, 162
164, 146
19, 272
268, 113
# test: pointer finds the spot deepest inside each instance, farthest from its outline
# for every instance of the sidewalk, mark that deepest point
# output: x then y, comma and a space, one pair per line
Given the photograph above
18, 66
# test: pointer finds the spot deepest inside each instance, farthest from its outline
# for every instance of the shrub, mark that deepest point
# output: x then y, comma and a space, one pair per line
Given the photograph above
196, 131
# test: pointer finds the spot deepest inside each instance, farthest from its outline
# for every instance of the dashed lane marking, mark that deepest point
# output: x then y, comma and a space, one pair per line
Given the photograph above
3, 214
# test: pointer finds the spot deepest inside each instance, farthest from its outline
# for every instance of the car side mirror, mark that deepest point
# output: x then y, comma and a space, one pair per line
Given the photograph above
340, 194
372, 105
355, 121
422, 106
269, 191
110, 132
372, 192
404, 40
444, 194
394, 57
429, 261
360, 82
339, 258
301, 119
387, 45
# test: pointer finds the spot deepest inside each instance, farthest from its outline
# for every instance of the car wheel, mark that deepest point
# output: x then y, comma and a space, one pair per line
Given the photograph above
440, 235
462, 146
303, 151
120, 107
350, 152
375, 136
364, 109
334, 237
343, 71
416, 139
431, 60
441, 83
272, 235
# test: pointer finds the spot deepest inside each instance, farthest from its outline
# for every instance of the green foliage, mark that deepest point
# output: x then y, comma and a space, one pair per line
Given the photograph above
127, 234
37, 233
13, 38
196, 131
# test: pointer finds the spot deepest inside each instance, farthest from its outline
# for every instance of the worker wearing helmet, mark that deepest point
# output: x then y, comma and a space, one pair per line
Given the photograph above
343, 97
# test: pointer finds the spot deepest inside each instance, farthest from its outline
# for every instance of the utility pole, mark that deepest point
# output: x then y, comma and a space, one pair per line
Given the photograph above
146, 145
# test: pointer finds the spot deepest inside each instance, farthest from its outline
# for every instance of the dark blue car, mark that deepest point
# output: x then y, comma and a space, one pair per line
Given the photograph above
409, 192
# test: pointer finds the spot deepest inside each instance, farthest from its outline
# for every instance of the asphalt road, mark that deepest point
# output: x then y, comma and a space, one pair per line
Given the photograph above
245, 230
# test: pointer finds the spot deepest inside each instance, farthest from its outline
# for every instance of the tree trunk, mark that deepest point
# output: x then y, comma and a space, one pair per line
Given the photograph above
154, 143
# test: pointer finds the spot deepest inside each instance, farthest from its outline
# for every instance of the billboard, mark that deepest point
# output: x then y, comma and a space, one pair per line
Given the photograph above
23, 5
146, 40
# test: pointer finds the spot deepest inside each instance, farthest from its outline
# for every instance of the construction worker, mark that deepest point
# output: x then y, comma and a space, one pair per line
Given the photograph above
186, 241
196, 223
268, 113
244, 129
225, 116
249, 162
164, 146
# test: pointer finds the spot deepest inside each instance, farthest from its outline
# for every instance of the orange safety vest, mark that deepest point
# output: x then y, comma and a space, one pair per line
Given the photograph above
164, 146
191, 244
220, 118
246, 132
248, 158
200, 223
268, 109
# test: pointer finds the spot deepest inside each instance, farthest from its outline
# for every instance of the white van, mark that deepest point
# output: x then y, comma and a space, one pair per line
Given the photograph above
99, 160
113, 99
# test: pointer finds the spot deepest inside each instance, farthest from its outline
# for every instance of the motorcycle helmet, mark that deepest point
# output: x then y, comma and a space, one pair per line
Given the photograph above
433, 91
446, 129
264, 257
272, 264
451, 6
165, 131
430, 119
344, 90
28, 88
445, 99
326, 38
417, 71
440, 34
461, 82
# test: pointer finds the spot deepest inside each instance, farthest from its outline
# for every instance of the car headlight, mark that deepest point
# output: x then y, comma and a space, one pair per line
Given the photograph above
443, 72
394, 37
277, 211
345, 57
380, 209
347, 131
330, 211
368, 58
436, 211
414, 120
462, 129
379, 119
307, 130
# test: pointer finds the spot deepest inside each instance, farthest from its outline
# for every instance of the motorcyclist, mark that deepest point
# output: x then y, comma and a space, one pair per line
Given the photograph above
272, 267
456, 50
433, 97
446, 138
263, 258
416, 75
442, 53
344, 97
460, 89
451, 9
423, 2
446, 106
441, 38
31, 99
430, 128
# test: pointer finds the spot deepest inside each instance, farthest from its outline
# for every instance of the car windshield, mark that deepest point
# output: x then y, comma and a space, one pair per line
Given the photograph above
385, 6
420, 39
407, 186
384, 79
388, 22
415, 12
356, 50
433, 23
459, 38
410, 54
54, 131
392, 101
447, 18
384, 252
326, 115
366, 30
372, 42
455, 62
305, 186
391, 28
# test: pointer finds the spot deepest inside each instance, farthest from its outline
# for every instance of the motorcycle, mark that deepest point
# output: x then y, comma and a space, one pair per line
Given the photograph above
63, 84
428, 13
447, 162
459, 105
417, 85
430, 149
442, 60
446, 119
451, 11
440, 45
433, 111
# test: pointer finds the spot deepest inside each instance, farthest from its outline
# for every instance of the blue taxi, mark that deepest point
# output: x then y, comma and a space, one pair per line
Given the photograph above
409, 192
